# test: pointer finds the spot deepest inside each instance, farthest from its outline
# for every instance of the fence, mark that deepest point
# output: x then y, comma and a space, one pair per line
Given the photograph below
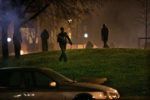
144, 42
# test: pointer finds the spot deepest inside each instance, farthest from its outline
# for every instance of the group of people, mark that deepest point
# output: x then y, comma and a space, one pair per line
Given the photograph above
62, 39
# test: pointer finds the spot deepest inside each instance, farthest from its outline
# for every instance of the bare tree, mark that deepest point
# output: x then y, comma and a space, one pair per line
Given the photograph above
21, 12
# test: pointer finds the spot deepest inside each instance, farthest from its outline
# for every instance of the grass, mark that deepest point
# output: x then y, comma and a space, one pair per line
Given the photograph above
127, 70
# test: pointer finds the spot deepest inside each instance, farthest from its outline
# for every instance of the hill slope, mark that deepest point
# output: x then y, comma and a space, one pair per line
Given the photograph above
126, 69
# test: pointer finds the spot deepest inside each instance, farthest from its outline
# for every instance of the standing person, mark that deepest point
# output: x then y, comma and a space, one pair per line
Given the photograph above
17, 39
62, 40
44, 38
104, 34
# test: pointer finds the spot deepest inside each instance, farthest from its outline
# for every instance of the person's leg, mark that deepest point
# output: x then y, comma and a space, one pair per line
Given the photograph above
106, 45
17, 50
46, 46
61, 56
18, 53
42, 45
64, 54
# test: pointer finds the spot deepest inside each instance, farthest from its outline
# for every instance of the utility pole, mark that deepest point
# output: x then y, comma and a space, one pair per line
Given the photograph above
76, 26
146, 11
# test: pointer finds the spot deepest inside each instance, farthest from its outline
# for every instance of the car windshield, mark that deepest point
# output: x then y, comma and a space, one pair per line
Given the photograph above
56, 76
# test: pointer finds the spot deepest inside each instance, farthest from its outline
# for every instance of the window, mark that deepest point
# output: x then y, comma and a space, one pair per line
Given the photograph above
29, 81
10, 79
4, 79
42, 80
15, 79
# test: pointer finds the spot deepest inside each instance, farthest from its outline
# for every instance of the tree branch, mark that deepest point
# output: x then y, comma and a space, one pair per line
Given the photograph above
36, 14
25, 11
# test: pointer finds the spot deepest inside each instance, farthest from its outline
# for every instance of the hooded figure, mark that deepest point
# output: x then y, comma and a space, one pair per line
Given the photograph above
44, 38
104, 34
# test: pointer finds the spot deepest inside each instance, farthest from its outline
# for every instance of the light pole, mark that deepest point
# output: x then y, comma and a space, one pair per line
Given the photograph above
146, 10
70, 29
85, 37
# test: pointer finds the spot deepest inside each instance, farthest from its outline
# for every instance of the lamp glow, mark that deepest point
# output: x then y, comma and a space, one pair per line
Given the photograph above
9, 39
21, 52
86, 35
70, 20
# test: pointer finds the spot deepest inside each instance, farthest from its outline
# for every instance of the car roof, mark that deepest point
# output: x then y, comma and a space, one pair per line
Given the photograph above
20, 68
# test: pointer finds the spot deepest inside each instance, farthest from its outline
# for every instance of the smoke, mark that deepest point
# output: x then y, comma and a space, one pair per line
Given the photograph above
9, 19
9, 12
122, 17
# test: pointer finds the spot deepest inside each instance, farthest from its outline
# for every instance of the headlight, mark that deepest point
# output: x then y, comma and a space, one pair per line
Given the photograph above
113, 94
99, 95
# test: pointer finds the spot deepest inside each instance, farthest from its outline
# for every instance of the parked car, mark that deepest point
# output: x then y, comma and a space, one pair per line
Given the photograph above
46, 84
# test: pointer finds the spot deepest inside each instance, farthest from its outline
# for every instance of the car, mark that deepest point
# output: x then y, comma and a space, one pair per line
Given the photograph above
46, 84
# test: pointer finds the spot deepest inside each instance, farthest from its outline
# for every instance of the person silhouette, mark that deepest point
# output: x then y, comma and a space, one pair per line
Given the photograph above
104, 34
62, 40
17, 39
44, 38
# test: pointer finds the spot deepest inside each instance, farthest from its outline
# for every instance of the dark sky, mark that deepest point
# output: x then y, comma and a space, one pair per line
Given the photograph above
125, 20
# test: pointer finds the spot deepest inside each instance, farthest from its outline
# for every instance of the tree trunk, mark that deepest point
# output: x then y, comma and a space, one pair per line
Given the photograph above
5, 52
17, 40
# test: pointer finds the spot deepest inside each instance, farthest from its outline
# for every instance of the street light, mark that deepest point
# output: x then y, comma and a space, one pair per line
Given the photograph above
9, 39
69, 20
85, 35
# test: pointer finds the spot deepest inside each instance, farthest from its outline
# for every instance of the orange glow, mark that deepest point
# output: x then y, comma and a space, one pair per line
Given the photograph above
22, 52
2, 87
53, 84
69, 35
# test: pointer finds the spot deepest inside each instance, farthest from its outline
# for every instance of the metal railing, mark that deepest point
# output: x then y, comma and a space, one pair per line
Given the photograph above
145, 43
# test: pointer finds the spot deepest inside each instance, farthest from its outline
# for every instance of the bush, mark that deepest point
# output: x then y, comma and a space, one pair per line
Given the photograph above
89, 45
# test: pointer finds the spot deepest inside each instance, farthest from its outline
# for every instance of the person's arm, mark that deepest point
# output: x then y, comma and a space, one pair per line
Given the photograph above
70, 42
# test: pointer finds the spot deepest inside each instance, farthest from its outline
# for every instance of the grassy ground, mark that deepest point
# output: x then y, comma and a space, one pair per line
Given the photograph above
127, 70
